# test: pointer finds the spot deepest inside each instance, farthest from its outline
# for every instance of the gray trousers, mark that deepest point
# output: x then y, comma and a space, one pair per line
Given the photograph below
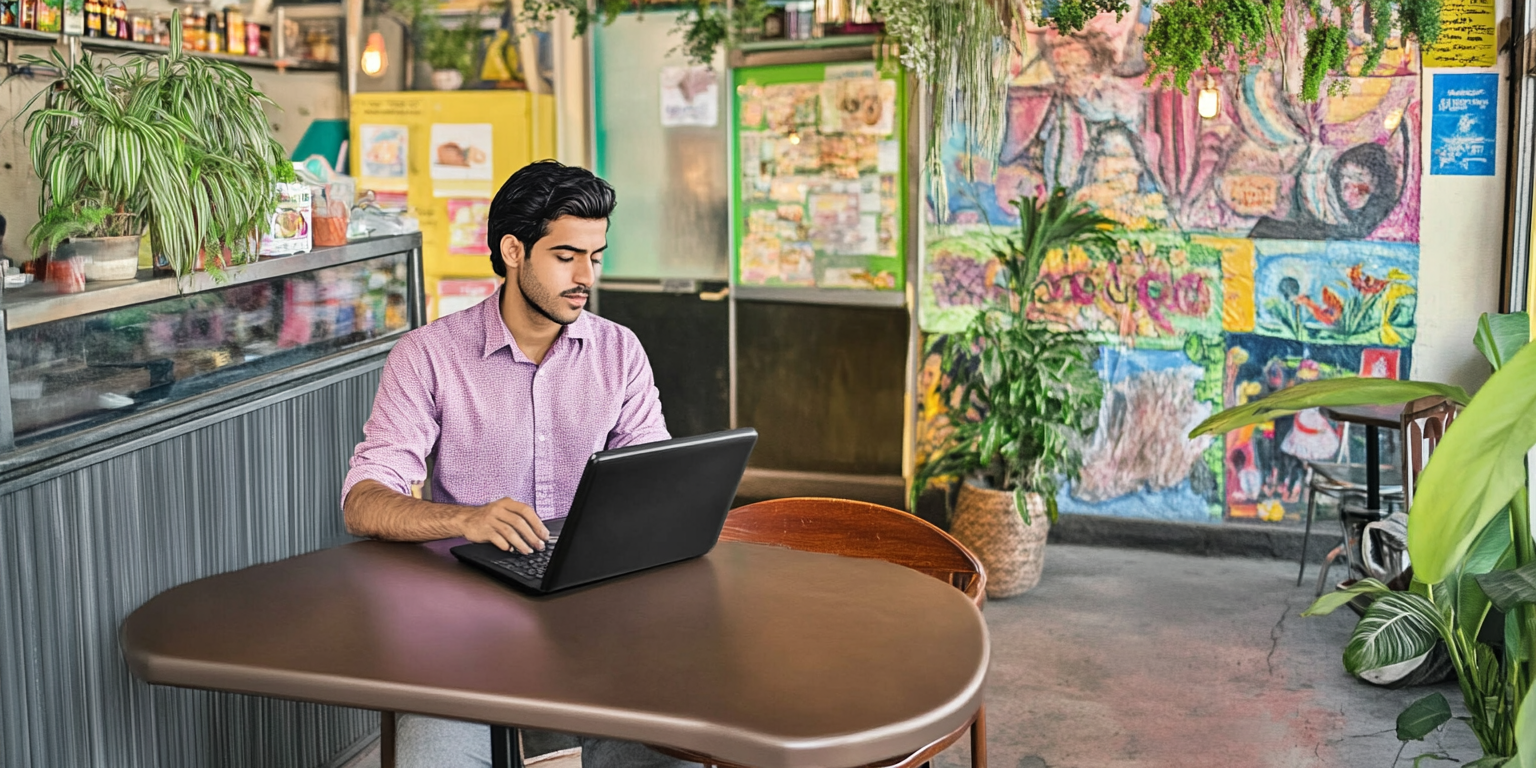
427, 742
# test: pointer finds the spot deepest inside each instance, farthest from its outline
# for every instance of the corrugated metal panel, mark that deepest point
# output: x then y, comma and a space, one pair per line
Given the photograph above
79, 552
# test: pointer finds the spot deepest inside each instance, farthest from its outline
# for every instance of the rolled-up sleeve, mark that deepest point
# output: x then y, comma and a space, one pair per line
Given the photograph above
404, 426
640, 418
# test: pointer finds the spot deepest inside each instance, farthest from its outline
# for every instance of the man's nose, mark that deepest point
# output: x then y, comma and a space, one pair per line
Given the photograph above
585, 273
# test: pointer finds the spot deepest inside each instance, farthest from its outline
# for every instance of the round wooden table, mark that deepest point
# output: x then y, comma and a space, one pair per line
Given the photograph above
757, 655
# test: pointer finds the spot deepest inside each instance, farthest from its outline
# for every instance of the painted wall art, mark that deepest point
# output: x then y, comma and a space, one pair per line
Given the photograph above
1274, 243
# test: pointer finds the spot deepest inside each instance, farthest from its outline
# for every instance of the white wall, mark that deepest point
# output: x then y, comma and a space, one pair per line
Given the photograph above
1461, 241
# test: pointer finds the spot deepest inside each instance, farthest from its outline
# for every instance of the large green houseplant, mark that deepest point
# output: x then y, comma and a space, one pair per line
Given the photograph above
1023, 397
171, 143
1469, 540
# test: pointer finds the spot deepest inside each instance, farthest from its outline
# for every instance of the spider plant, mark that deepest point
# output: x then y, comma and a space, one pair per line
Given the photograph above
173, 142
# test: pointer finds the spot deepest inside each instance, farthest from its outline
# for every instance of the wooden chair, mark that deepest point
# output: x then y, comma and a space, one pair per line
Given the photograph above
1423, 426
859, 529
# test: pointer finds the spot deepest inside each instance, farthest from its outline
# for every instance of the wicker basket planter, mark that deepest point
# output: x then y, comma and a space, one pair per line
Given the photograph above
987, 522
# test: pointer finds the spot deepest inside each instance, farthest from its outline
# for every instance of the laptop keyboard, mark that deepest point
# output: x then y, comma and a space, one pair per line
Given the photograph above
531, 566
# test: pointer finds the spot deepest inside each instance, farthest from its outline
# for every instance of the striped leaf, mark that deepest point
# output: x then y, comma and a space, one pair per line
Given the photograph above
1397, 627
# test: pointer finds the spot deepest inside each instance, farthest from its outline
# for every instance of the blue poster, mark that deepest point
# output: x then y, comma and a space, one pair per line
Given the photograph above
1462, 122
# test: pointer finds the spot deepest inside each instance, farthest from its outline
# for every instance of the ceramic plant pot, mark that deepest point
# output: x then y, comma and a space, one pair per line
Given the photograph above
108, 258
989, 524
447, 79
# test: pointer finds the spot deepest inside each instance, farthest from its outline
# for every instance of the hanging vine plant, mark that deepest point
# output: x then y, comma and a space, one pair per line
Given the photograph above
1192, 36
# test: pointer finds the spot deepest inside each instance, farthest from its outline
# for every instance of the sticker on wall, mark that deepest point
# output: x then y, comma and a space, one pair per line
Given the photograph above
690, 96
1462, 122
1467, 36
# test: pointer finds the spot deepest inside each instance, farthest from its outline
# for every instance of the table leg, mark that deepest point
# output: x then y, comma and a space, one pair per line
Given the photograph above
506, 747
1372, 469
386, 740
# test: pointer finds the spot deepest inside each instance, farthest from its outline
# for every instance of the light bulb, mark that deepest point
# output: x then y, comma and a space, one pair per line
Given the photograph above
794, 138
374, 61
1210, 99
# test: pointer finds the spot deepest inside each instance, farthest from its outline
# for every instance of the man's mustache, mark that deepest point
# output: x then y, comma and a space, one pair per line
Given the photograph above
575, 292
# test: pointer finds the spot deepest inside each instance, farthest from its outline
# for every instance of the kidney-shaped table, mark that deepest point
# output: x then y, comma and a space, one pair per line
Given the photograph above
753, 654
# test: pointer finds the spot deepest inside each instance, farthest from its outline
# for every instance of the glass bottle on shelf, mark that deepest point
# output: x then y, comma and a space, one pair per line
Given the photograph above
215, 33
234, 31
92, 18
7, 13
120, 19
26, 14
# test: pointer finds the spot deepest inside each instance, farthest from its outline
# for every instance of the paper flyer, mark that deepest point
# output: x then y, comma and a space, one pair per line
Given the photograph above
461, 159
1468, 37
690, 96
384, 152
466, 226
1462, 124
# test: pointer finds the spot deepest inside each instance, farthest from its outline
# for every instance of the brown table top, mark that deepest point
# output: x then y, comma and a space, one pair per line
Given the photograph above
1386, 416
757, 655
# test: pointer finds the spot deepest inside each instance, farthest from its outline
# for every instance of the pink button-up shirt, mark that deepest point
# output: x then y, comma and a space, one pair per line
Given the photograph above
500, 425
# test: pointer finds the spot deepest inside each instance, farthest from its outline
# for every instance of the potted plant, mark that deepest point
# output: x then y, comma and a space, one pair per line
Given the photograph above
90, 146
1023, 397
450, 52
171, 143
1469, 540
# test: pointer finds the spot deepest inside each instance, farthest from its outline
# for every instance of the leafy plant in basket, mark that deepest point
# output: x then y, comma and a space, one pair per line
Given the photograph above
1469, 539
1024, 394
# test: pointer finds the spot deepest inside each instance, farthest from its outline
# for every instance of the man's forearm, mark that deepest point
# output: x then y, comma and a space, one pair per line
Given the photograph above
373, 509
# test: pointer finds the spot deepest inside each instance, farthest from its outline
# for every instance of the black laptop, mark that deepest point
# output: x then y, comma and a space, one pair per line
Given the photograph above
635, 508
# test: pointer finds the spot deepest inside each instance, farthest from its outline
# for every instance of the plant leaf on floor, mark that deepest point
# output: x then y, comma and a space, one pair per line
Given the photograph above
1422, 717
1332, 601
1398, 626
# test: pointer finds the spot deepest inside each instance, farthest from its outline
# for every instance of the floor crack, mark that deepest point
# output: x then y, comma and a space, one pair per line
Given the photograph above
1274, 637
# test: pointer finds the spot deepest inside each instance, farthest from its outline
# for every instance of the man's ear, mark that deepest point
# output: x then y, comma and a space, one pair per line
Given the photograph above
511, 252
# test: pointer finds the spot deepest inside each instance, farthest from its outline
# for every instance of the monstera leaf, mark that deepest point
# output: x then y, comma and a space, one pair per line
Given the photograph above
1499, 337
1328, 392
1475, 471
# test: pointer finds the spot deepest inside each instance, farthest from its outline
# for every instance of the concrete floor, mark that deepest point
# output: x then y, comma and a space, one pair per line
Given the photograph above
1125, 658
1132, 659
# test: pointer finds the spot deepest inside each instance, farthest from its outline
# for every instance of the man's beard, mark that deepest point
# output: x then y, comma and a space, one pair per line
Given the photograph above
539, 307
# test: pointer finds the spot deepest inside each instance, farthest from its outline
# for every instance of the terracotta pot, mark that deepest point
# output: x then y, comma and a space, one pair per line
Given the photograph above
989, 524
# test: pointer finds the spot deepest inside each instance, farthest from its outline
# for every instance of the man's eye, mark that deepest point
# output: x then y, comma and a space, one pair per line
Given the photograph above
566, 259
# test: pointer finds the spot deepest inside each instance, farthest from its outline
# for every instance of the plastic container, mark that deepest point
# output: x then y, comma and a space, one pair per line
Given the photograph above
290, 229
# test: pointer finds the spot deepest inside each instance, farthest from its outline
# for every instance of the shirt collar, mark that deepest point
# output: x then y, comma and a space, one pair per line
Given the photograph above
497, 335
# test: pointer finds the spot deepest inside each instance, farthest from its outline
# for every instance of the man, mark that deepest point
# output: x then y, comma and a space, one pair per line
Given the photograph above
509, 398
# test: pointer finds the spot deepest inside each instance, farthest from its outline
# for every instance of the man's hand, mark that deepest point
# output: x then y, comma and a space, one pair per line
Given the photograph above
505, 523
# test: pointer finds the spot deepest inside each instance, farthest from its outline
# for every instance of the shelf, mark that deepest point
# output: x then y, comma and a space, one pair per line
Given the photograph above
28, 35
39, 303
831, 41
846, 297
112, 44
817, 50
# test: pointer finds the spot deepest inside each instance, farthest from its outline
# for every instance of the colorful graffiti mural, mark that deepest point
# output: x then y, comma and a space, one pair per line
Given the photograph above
1274, 243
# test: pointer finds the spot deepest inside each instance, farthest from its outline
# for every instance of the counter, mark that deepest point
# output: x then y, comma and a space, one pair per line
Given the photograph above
156, 432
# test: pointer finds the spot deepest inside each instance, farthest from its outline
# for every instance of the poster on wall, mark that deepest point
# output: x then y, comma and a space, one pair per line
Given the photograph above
818, 177
1462, 124
690, 96
384, 152
461, 159
466, 226
1273, 244
1467, 36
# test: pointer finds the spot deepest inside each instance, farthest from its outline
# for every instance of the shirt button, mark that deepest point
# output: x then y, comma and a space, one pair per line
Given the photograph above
541, 438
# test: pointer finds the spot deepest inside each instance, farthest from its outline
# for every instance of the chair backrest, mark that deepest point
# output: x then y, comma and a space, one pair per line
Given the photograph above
859, 529
1423, 425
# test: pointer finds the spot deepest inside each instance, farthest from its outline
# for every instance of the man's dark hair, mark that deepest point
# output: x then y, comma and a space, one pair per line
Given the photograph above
538, 194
